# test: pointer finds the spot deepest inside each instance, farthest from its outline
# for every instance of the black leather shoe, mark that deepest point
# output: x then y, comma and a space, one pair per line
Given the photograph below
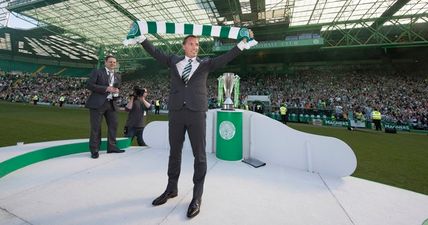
95, 155
164, 197
116, 151
194, 208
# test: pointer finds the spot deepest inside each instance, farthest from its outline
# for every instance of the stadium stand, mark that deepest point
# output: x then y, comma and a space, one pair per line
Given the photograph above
41, 51
328, 61
72, 45
310, 92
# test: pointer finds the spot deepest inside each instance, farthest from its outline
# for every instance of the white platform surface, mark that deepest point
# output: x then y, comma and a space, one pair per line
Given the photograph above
119, 188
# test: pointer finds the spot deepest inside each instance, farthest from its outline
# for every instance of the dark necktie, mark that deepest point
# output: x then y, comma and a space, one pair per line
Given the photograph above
186, 72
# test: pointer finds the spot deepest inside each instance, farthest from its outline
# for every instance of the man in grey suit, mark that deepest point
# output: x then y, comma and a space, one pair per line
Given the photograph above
103, 84
187, 105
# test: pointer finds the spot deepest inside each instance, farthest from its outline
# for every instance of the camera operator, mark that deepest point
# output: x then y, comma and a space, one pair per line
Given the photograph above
137, 107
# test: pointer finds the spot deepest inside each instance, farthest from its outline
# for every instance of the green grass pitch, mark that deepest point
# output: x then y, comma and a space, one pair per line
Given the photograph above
399, 160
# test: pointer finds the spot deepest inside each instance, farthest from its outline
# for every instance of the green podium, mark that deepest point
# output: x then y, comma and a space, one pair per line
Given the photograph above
229, 135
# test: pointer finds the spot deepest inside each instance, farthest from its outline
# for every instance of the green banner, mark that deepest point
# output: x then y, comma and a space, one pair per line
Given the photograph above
275, 44
229, 135
397, 127
329, 122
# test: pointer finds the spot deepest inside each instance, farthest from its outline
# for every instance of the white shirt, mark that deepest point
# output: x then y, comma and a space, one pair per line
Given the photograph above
111, 77
111, 81
180, 65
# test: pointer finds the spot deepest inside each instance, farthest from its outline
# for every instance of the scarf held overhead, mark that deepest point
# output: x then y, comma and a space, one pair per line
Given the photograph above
160, 27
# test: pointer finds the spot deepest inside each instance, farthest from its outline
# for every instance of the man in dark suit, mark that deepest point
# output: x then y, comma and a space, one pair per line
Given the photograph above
103, 84
187, 105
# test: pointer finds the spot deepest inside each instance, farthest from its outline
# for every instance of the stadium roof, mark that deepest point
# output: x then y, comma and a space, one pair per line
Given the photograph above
106, 22
41, 43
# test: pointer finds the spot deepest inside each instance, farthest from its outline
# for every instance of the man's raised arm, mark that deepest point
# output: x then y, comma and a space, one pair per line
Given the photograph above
153, 51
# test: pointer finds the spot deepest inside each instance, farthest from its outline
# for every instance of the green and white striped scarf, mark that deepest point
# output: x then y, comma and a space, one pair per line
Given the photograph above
141, 27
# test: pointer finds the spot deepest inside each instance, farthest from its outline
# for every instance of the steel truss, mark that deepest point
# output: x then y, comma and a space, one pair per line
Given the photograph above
361, 33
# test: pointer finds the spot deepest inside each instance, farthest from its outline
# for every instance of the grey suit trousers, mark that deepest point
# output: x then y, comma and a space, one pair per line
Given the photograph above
194, 123
96, 115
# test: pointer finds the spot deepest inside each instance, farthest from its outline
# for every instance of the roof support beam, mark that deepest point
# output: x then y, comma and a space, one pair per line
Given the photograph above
258, 6
228, 8
362, 34
19, 6
125, 12
122, 10
388, 13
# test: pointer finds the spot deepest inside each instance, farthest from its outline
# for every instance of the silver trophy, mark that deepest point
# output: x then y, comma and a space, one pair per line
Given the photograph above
229, 83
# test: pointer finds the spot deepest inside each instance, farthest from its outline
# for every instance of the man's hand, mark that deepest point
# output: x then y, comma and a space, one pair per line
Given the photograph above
251, 36
251, 33
245, 43
135, 39
112, 89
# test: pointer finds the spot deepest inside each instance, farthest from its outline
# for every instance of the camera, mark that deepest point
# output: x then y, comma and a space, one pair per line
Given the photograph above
116, 85
137, 92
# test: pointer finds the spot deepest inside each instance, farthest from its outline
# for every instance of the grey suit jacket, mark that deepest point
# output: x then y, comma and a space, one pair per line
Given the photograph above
98, 83
194, 94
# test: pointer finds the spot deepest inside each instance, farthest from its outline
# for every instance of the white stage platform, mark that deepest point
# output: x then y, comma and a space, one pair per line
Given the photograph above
119, 188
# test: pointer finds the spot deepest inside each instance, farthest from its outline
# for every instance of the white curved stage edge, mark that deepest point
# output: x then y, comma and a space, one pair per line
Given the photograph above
119, 188
273, 142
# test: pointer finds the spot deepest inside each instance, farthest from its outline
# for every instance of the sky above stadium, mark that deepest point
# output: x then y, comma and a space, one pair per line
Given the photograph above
16, 22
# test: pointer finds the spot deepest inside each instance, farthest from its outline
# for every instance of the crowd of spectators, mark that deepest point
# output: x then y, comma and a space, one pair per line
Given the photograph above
22, 87
401, 98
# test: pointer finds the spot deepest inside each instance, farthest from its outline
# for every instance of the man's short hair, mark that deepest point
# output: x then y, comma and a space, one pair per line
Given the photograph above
187, 37
108, 57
